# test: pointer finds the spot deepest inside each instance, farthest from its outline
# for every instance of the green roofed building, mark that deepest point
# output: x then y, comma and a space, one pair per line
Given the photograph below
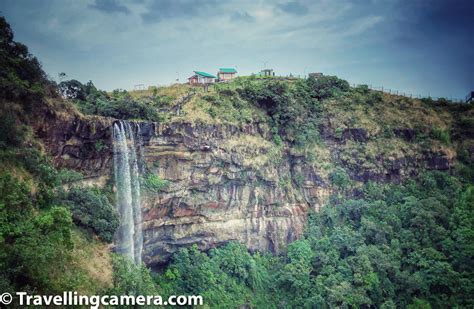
200, 77
226, 74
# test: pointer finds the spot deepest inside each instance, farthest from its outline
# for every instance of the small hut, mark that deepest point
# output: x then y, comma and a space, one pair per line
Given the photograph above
226, 74
201, 78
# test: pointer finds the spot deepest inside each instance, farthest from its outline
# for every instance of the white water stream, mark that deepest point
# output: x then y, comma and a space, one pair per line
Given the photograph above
127, 162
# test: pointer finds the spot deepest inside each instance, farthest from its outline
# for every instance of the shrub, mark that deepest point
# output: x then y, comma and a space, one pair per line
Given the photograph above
327, 86
226, 92
212, 112
72, 89
339, 178
466, 124
387, 132
441, 135
11, 133
40, 166
293, 111
69, 176
277, 139
154, 183
298, 178
118, 105
131, 279
209, 98
362, 89
91, 209
99, 146
34, 243
374, 97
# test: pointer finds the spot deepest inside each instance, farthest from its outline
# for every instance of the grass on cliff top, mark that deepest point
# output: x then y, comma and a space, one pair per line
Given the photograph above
433, 124
174, 91
220, 106
371, 110
375, 111
379, 114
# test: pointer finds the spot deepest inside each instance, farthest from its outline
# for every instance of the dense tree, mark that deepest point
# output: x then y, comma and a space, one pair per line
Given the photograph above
118, 104
30, 241
21, 76
294, 112
399, 246
327, 86
73, 89
91, 209
131, 279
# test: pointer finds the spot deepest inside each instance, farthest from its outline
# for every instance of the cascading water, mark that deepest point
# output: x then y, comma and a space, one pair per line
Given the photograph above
127, 163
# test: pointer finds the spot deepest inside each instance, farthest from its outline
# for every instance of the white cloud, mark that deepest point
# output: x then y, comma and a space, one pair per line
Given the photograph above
143, 42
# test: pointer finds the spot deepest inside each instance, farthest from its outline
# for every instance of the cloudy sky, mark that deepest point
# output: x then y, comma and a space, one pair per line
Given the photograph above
421, 47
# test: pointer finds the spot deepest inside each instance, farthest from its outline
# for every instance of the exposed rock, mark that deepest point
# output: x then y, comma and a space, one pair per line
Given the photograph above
216, 193
215, 197
77, 142
356, 134
438, 162
405, 133
397, 169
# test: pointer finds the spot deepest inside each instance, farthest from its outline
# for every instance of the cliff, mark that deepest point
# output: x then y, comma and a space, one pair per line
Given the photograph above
232, 182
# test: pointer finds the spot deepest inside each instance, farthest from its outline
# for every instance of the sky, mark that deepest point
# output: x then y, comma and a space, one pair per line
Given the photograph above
413, 46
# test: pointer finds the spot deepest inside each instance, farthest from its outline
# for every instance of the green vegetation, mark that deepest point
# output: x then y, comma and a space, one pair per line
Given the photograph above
294, 109
41, 249
26, 237
226, 277
327, 87
10, 132
407, 246
339, 178
130, 279
442, 136
372, 245
90, 208
21, 76
99, 146
154, 183
119, 104
37, 236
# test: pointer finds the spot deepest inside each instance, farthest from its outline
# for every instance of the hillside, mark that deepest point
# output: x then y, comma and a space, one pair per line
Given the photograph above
266, 193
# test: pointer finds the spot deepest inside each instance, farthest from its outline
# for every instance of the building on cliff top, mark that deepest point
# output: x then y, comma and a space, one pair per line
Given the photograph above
315, 75
226, 74
266, 72
201, 78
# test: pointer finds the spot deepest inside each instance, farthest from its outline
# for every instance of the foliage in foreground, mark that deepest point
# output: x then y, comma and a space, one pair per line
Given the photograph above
92, 209
30, 241
130, 279
37, 246
21, 75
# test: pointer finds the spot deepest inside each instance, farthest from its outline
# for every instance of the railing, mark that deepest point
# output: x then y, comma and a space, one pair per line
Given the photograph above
408, 94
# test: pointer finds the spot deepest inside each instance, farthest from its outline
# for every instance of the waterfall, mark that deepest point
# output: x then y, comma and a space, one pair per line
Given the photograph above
127, 163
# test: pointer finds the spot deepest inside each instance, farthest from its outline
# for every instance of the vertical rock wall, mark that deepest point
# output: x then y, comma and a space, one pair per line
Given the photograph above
225, 182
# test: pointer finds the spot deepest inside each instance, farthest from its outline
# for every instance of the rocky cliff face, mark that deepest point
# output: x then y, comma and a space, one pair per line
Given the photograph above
76, 142
227, 182
216, 196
